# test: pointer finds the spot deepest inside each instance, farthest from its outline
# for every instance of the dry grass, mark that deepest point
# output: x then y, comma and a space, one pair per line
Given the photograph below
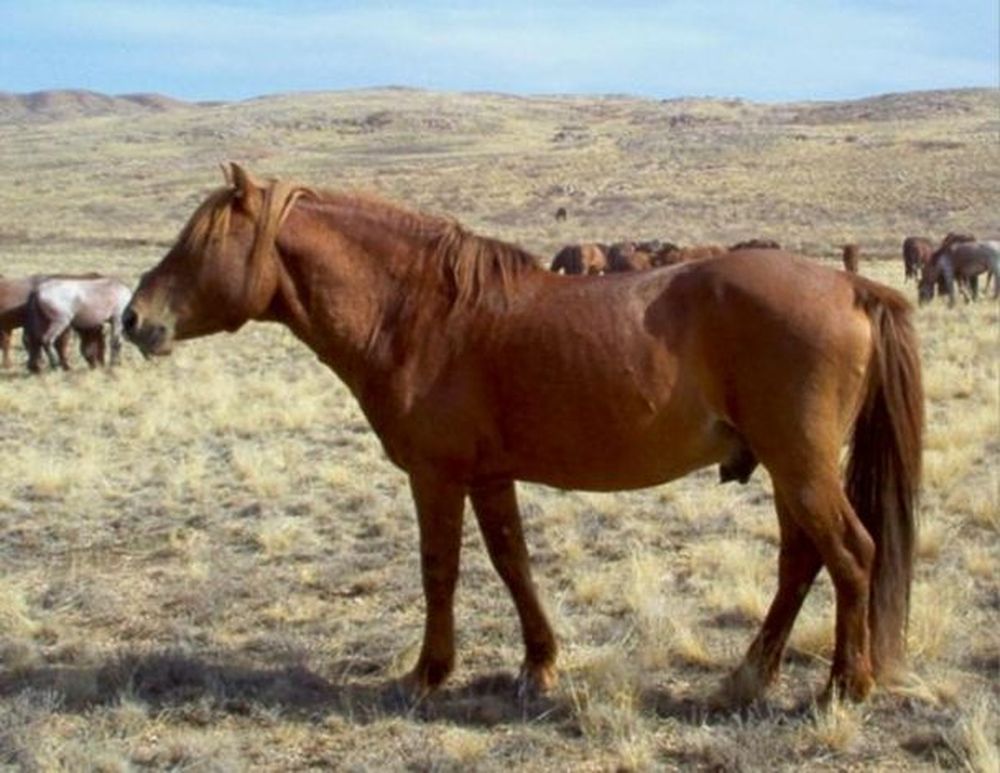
209, 564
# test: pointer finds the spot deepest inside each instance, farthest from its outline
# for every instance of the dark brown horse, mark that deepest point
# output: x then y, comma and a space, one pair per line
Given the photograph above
960, 263
628, 256
477, 369
917, 252
580, 259
756, 244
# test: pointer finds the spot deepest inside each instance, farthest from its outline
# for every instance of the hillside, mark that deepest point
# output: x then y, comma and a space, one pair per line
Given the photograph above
123, 170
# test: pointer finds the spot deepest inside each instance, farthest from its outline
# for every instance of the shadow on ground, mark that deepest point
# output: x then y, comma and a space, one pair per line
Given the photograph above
361, 694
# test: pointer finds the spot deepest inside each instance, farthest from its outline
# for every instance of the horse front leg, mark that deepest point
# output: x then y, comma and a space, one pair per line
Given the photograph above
115, 337
60, 345
495, 505
440, 504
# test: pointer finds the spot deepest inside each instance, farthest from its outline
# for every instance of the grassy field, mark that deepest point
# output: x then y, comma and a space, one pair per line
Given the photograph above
207, 563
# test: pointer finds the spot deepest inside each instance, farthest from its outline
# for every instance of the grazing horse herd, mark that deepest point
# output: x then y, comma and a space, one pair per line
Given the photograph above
956, 263
600, 258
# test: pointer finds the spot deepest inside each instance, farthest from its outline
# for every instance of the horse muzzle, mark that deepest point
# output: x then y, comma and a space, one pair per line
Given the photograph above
150, 337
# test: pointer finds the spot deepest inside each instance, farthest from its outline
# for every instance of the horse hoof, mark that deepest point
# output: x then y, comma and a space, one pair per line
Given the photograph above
424, 678
855, 688
535, 681
743, 686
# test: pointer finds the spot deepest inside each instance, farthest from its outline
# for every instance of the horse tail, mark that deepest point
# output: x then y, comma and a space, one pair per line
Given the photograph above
33, 327
884, 466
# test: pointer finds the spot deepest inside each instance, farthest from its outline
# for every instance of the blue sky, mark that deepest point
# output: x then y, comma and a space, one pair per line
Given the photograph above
766, 50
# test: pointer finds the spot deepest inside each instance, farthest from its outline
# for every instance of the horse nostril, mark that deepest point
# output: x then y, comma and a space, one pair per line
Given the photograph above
130, 320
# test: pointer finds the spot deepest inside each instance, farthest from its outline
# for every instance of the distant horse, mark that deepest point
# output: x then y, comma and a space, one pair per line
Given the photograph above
917, 252
59, 303
14, 295
629, 256
850, 256
477, 369
687, 254
756, 244
960, 263
561, 214
580, 259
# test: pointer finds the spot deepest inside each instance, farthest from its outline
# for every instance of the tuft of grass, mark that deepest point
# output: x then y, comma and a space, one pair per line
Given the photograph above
835, 727
935, 619
282, 536
975, 739
605, 695
16, 618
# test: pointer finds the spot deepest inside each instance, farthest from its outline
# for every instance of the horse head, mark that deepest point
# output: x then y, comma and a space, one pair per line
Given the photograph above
219, 273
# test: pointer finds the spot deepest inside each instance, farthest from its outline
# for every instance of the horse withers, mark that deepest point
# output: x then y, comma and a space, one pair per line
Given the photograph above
597, 383
58, 304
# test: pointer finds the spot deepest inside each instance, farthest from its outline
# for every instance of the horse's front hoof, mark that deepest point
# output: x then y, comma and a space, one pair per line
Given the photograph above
425, 677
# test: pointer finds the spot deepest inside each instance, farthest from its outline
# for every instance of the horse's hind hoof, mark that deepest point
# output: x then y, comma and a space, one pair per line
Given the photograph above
536, 681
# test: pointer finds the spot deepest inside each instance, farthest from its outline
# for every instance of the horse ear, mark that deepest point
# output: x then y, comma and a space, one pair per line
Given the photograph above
227, 173
244, 182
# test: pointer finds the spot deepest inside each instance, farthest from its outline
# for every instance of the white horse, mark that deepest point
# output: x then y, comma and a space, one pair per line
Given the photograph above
82, 303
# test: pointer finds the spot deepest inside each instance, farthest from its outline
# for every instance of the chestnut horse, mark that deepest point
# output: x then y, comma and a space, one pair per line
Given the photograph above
477, 369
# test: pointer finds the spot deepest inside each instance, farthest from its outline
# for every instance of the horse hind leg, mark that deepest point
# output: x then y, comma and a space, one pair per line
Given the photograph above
798, 564
819, 507
495, 506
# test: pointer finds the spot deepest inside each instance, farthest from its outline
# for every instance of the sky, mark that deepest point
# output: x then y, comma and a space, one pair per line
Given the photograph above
762, 50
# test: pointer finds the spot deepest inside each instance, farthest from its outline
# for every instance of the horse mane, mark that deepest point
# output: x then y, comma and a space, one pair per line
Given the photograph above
472, 267
475, 266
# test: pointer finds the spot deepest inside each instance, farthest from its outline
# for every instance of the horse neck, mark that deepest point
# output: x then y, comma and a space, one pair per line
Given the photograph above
344, 275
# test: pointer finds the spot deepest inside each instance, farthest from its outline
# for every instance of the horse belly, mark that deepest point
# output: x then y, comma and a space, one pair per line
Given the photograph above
616, 450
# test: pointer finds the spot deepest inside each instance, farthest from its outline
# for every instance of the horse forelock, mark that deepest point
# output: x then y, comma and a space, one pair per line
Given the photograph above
211, 222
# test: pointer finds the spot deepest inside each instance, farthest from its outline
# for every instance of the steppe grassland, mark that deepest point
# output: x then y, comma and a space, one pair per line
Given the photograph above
208, 563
